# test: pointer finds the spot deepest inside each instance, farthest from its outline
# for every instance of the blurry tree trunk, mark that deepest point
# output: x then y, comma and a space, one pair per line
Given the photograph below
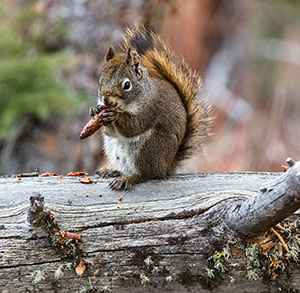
197, 29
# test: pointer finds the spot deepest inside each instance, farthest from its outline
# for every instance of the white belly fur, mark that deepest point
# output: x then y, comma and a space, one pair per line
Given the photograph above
123, 151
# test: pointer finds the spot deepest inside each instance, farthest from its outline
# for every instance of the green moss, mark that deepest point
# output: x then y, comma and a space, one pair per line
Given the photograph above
217, 263
144, 279
38, 276
169, 278
105, 289
59, 272
252, 275
252, 252
148, 261
273, 265
210, 273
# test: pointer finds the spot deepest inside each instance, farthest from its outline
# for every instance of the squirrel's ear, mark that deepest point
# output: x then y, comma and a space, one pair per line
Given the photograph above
110, 54
134, 59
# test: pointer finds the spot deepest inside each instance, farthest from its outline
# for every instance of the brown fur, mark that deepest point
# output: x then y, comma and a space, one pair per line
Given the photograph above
161, 63
156, 122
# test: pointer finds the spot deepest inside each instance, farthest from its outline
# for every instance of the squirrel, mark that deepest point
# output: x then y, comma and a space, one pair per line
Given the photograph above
154, 120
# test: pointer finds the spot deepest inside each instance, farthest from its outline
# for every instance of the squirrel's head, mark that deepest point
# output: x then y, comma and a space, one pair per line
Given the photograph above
122, 79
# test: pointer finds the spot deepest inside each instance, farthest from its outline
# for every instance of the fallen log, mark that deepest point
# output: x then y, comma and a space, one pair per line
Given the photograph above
204, 232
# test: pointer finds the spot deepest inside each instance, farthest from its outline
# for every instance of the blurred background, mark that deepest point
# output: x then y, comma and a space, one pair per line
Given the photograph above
51, 53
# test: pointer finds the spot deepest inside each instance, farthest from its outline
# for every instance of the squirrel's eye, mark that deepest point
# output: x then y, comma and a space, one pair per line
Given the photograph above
126, 85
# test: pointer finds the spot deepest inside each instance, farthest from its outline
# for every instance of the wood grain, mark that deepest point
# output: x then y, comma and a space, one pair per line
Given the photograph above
170, 221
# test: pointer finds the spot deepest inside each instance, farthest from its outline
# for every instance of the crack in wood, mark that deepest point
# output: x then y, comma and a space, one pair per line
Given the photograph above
172, 216
125, 248
30, 264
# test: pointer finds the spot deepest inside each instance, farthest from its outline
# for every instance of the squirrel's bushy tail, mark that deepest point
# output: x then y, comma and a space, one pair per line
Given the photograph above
161, 63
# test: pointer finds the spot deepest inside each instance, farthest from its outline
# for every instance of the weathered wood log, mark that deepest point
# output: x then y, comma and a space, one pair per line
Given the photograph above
276, 201
155, 238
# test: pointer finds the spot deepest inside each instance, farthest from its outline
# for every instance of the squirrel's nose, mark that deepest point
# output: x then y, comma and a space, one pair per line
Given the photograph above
106, 101
110, 101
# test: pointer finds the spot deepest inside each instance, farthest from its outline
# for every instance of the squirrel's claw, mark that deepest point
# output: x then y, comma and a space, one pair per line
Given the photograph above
123, 183
109, 116
106, 173
119, 184
94, 110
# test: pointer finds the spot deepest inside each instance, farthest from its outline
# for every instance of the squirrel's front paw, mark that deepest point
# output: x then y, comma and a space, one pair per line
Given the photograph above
109, 115
94, 110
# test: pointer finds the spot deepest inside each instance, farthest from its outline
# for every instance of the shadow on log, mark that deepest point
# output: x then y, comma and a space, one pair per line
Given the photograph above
213, 232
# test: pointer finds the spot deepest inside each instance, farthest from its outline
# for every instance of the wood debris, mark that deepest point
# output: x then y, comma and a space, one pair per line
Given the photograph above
80, 268
48, 174
280, 239
86, 180
78, 173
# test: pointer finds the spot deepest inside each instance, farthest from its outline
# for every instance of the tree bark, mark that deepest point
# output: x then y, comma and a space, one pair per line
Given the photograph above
275, 201
155, 238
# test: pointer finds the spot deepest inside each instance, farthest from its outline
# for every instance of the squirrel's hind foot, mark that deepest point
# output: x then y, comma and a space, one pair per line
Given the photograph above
106, 173
124, 182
